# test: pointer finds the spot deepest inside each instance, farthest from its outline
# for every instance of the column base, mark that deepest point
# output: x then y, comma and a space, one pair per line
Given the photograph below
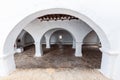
73, 47
19, 50
48, 47
78, 54
38, 55
78, 51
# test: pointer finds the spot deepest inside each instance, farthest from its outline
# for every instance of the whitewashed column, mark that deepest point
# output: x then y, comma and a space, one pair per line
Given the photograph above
73, 45
38, 50
47, 39
78, 51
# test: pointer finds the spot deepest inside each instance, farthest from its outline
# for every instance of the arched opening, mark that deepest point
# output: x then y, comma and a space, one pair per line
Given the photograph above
61, 37
56, 38
75, 15
104, 41
23, 41
22, 47
91, 49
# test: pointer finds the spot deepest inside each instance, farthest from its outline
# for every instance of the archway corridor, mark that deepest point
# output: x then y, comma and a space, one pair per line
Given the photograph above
60, 53
56, 57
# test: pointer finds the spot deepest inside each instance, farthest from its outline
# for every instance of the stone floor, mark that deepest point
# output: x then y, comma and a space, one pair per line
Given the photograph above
57, 64
56, 57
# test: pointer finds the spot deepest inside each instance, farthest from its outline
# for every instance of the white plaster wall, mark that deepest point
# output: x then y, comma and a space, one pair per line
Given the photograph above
105, 13
11, 39
116, 73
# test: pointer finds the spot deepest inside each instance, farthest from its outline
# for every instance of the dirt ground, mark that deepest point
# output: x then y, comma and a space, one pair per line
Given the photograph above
57, 64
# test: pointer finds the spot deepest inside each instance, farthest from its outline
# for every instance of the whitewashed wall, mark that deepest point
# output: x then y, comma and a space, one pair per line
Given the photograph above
104, 13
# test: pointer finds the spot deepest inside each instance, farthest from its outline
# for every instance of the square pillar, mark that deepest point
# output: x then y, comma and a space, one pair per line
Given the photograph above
116, 74
7, 64
47, 39
78, 51
108, 63
73, 45
47, 43
38, 49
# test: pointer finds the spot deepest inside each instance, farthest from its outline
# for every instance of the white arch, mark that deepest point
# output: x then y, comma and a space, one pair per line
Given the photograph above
21, 37
91, 38
18, 28
10, 40
77, 28
48, 37
56, 29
